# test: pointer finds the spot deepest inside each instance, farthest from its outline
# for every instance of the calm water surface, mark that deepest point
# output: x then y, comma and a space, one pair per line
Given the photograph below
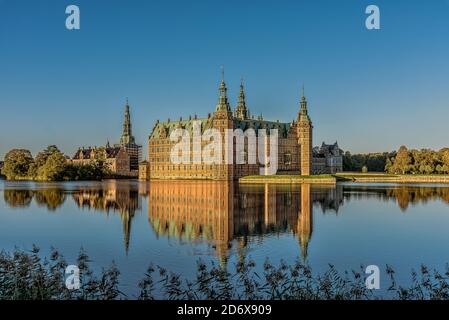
173, 224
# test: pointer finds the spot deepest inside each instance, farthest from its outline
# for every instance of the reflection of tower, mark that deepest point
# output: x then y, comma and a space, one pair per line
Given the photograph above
305, 129
126, 200
222, 121
270, 204
194, 211
126, 221
305, 220
121, 196
226, 222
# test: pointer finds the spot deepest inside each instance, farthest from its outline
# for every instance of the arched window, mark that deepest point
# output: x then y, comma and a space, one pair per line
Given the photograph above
287, 158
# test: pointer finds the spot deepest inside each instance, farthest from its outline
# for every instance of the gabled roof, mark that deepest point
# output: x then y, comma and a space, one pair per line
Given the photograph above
111, 152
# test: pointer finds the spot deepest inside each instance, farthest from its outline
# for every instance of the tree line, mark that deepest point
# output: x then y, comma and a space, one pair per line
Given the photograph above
49, 164
403, 161
372, 162
424, 161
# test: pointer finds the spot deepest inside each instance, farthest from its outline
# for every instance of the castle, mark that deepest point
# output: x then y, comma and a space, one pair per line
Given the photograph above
294, 145
122, 159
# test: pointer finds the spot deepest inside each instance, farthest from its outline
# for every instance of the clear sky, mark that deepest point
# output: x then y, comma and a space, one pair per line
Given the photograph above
370, 90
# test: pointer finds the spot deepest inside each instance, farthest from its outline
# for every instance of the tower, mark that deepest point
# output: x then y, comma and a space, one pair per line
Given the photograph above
223, 108
305, 129
222, 120
127, 136
128, 141
241, 112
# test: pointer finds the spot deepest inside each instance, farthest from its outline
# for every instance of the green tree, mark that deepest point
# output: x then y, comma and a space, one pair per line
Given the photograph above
54, 167
444, 156
424, 161
401, 164
38, 170
17, 163
347, 162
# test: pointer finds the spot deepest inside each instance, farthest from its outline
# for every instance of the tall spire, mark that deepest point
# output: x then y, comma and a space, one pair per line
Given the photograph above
127, 137
223, 104
305, 131
303, 113
241, 112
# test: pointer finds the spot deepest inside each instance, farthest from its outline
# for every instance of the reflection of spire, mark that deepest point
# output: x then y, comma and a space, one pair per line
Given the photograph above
305, 220
118, 196
126, 220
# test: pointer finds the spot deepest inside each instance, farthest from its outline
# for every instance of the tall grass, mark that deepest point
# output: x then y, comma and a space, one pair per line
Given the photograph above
24, 275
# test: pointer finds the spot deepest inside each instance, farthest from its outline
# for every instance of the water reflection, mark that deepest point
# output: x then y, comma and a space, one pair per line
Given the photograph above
404, 195
110, 196
218, 212
115, 196
18, 198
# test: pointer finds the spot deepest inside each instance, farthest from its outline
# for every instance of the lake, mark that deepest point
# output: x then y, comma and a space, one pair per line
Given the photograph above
175, 223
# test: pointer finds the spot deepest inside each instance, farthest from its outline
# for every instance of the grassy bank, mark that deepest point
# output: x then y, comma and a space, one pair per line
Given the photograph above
377, 177
384, 177
287, 179
40, 179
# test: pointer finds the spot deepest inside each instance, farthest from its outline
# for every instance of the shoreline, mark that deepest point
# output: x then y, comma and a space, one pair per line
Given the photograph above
289, 179
386, 178
345, 177
294, 179
28, 179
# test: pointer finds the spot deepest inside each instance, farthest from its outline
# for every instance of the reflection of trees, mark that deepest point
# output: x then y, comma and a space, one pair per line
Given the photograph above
17, 198
115, 196
404, 195
51, 199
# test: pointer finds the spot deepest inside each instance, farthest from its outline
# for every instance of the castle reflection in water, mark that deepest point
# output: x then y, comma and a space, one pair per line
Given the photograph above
218, 212
116, 196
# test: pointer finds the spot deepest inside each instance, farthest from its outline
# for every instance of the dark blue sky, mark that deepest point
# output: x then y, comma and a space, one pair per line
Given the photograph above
370, 90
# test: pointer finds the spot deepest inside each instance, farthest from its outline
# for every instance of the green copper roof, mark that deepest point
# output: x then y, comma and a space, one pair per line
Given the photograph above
207, 123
